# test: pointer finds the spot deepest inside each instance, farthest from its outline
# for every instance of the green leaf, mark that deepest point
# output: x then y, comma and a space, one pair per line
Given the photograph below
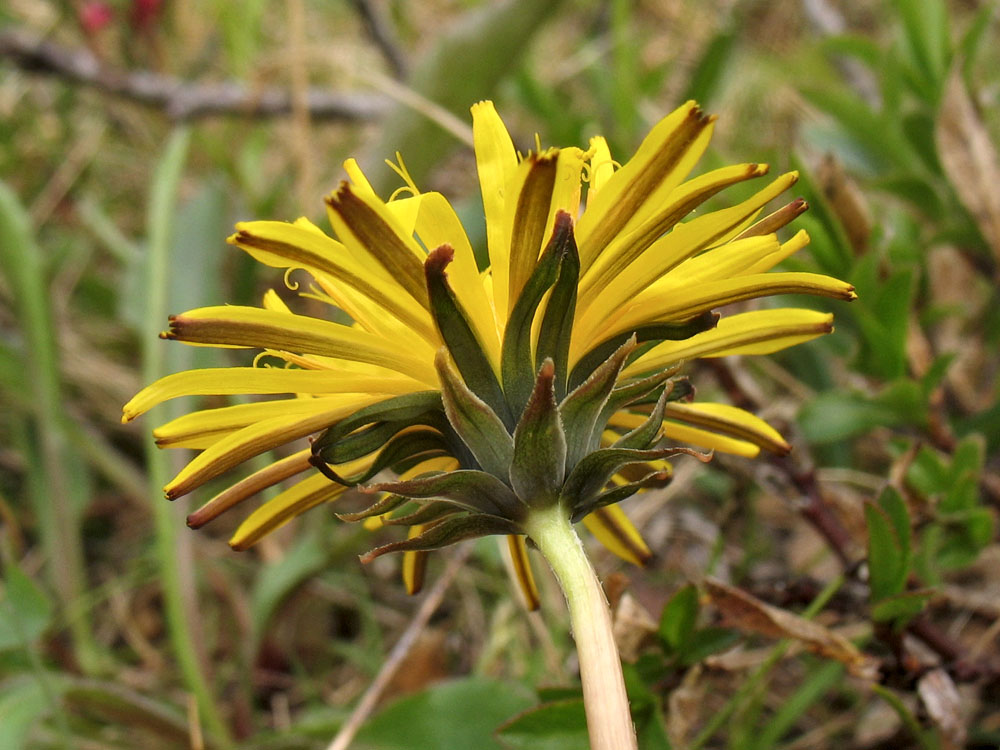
461, 713
460, 337
516, 364
539, 463
895, 507
926, 30
581, 408
25, 610
971, 44
23, 703
709, 69
834, 416
558, 725
677, 622
968, 457
963, 536
914, 189
901, 608
475, 422
882, 318
962, 495
706, 642
887, 562
449, 531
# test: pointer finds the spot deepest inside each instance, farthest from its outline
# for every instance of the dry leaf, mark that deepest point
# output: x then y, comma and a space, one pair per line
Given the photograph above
969, 158
940, 698
846, 201
634, 627
745, 612
684, 707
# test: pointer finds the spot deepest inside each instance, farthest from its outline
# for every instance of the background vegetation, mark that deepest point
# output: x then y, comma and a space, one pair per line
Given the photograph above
135, 132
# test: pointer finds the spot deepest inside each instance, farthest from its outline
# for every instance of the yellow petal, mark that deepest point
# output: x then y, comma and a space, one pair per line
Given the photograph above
787, 249
304, 245
683, 242
257, 438
776, 220
628, 246
496, 163
602, 167
365, 224
414, 563
272, 301
756, 332
677, 432
615, 531
263, 380
680, 302
521, 570
731, 259
357, 177
266, 329
527, 214
200, 429
367, 314
729, 420
663, 159
260, 480
566, 190
278, 511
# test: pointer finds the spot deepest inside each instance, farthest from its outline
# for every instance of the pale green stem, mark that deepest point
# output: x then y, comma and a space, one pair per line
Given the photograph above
609, 721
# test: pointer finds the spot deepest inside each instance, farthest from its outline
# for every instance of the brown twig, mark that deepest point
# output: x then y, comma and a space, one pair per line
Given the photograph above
180, 99
819, 514
395, 657
383, 37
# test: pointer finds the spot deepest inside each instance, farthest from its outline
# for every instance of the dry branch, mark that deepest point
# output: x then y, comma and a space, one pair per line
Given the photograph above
180, 99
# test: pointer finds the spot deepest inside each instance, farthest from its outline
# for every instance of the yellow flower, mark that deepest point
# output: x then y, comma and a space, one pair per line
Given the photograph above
601, 281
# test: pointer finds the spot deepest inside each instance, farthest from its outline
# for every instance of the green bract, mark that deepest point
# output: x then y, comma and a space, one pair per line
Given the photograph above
519, 446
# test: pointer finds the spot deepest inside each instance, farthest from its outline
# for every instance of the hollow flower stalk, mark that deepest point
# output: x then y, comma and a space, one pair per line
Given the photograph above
515, 399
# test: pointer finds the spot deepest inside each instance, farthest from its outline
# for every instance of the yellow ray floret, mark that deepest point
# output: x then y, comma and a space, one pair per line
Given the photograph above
681, 303
253, 440
278, 511
614, 530
663, 159
496, 165
261, 479
269, 329
199, 429
729, 420
218, 381
303, 245
755, 332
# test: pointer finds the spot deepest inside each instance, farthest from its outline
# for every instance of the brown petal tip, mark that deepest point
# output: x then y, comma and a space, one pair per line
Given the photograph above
438, 259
